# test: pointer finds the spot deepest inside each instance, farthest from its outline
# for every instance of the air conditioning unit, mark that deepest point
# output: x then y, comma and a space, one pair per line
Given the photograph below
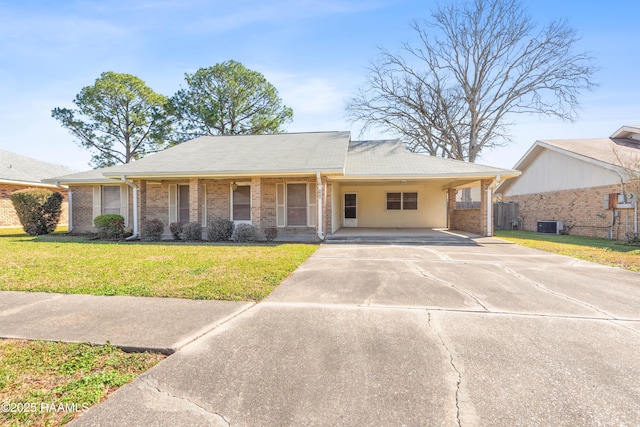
550, 227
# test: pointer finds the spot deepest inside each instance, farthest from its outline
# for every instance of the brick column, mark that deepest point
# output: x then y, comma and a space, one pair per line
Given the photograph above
451, 207
195, 201
256, 203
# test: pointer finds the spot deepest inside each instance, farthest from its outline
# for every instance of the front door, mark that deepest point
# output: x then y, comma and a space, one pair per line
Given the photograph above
350, 210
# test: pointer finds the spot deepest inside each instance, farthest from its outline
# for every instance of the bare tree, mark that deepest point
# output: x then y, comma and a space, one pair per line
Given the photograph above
629, 161
476, 65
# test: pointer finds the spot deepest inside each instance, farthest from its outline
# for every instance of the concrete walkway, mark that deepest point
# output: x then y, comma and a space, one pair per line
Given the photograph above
479, 332
163, 325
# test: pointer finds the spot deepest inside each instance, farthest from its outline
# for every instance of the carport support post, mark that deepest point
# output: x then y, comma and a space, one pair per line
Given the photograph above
319, 205
451, 207
486, 195
487, 204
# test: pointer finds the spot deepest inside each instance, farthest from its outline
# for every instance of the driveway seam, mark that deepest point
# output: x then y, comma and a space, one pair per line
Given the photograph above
437, 309
211, 326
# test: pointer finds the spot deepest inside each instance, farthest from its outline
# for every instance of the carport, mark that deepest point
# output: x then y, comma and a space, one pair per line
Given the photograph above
384, 186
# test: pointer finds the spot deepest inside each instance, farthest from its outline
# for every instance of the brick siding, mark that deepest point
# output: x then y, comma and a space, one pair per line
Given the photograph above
82, 208
469, 220
577, 208
154, 202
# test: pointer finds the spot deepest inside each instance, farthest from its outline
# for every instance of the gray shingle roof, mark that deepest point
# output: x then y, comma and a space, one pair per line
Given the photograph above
293, 153
246, 154
15, 167
390, 158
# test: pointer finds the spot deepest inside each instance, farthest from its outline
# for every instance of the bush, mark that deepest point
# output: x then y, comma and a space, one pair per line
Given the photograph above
192, 231
219, 230
245, 233
110, 226
270, 234
38, 209
176, 230
152, 230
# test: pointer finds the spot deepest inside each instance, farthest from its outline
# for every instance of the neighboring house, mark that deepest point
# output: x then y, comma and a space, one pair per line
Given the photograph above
588, 184
307, 184
18, 173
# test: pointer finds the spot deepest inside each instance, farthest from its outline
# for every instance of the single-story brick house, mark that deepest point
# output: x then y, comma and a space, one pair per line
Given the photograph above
309, 184
18, 173
589, 184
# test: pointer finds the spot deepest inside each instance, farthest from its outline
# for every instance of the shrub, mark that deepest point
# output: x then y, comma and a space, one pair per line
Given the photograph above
176, 230
270, 234
152, 230
245, 233
192, 231
219, 230
110, 226
38, 209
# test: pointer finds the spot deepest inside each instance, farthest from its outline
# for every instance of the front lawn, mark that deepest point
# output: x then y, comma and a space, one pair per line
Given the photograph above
48, 383
65, 264
601, 251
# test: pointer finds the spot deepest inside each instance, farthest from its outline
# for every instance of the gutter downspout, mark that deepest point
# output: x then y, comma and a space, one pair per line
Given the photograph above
135, 207
319, 203
69, 205
490, 189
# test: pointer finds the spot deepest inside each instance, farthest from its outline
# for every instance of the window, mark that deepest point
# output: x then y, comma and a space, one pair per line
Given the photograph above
111, 199
183, 204
402, 201
241, 203
409, 201
394, 201
297, 204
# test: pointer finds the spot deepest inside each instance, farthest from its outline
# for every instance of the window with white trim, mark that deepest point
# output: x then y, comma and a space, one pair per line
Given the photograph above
241, 203
111, 201
183, 203
402, 201
297, 204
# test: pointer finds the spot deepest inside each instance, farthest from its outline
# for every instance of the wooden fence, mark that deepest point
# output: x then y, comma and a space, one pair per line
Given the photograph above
505, 216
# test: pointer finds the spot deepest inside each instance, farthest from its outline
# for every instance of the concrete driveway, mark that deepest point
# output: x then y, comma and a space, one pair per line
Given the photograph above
477, 332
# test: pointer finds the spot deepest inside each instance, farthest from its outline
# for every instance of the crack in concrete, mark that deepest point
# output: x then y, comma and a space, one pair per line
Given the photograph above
451, 285
557, 294
453, 365
465, 410
442, 256
217, 418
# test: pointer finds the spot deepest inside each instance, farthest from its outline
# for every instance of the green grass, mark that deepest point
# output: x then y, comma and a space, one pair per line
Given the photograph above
18, 231
66, 264
602, 251
55, 381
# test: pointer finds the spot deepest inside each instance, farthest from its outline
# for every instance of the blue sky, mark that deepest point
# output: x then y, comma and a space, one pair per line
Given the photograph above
314, 51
